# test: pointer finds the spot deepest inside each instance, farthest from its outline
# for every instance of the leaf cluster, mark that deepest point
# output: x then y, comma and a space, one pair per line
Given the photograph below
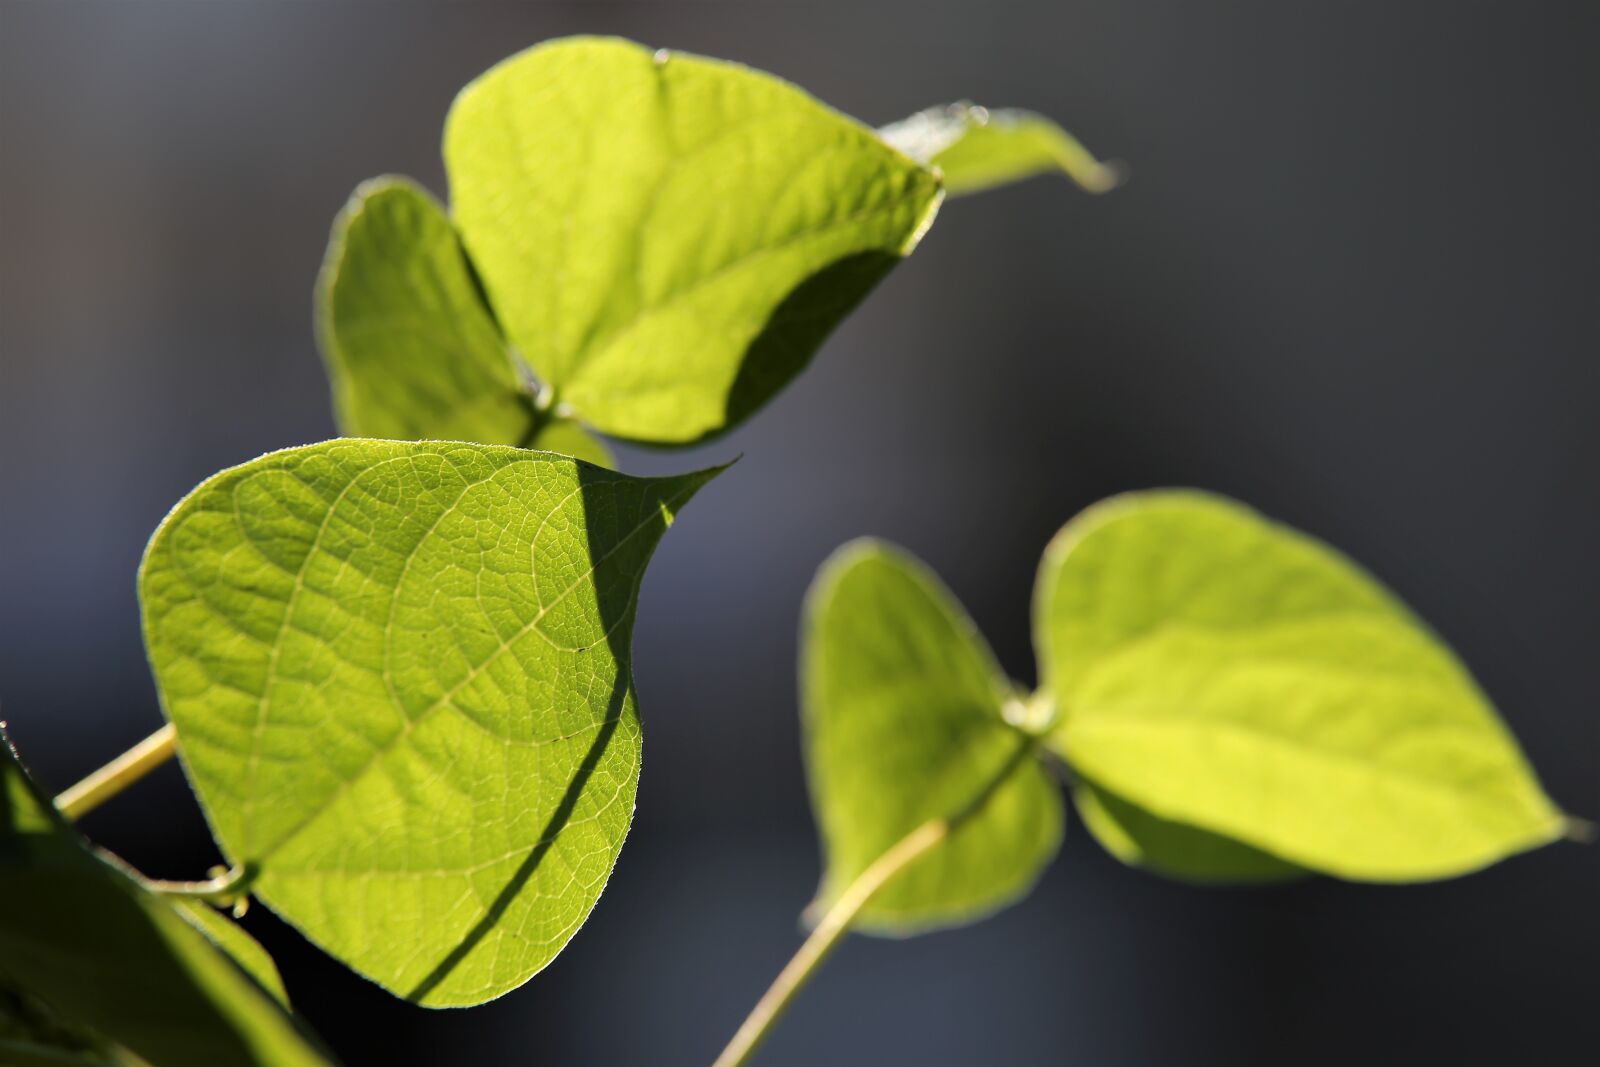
398, 664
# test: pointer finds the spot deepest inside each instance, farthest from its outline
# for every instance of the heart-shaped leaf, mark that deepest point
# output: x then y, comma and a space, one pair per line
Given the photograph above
399, 674
904, 709
667, 239
1219, 671
411, 349
113, 963
977, 149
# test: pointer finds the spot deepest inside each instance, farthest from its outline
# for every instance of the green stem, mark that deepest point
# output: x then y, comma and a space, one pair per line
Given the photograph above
226, 888
836, 922
119, 774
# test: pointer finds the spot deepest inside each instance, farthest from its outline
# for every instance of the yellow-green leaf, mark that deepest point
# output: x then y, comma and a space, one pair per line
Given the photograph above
904, 711
667, 239
1220, 671
400, 678
410, 347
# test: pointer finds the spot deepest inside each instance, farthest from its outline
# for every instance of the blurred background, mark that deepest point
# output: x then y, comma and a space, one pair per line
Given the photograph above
1352, 281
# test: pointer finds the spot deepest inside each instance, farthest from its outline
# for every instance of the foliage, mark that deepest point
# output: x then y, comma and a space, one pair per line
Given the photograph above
397, 665
662, 241
80, 933
1232, 700
400, 677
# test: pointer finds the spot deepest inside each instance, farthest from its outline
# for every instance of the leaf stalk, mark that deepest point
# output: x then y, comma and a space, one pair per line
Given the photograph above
105, 783
837, 920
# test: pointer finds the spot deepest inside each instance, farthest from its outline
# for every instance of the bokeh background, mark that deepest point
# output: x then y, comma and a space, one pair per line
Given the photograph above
1352, 281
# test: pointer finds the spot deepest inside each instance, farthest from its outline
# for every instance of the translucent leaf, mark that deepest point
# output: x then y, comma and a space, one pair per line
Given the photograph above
400, 678
977, 149
667, 239
80, 934
904, 713
410, 346
1223, 672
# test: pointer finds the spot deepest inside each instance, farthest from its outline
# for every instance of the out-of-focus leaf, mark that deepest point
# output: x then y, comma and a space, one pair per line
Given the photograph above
79, 933
1141, 839
231, 938
905, 722
412, 350
977, 149
1218, 670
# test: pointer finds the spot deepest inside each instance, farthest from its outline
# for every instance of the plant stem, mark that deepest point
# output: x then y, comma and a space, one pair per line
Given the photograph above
225, 888
99, 787
835, 923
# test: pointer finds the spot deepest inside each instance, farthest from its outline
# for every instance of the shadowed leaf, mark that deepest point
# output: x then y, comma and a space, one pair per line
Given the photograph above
81, 934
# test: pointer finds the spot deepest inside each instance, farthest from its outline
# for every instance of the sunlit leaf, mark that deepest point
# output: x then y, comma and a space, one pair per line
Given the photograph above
1220, 671
83, 938
905, 722
977, 149
400, 678
667, 239
412, 350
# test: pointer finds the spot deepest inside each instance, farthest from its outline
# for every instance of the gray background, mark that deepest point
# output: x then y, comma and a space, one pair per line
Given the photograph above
1352, 281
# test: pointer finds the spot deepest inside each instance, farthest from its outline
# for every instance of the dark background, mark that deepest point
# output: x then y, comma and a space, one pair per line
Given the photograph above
1352, 282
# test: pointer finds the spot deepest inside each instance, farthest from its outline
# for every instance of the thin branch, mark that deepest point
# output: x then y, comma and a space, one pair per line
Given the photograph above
837, 920
99, 787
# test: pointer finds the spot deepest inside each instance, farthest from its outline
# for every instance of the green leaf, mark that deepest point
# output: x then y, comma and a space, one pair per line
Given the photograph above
904, 711
411, 348
80, 933
667, 239
240, 947
399, 674
978, 149
1221, 671
1175, 849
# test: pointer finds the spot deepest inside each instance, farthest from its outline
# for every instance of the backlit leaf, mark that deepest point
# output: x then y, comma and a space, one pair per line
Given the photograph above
400, 678
904, 712
667, 239
1223, 672
80, 936
412, 350
977, 149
